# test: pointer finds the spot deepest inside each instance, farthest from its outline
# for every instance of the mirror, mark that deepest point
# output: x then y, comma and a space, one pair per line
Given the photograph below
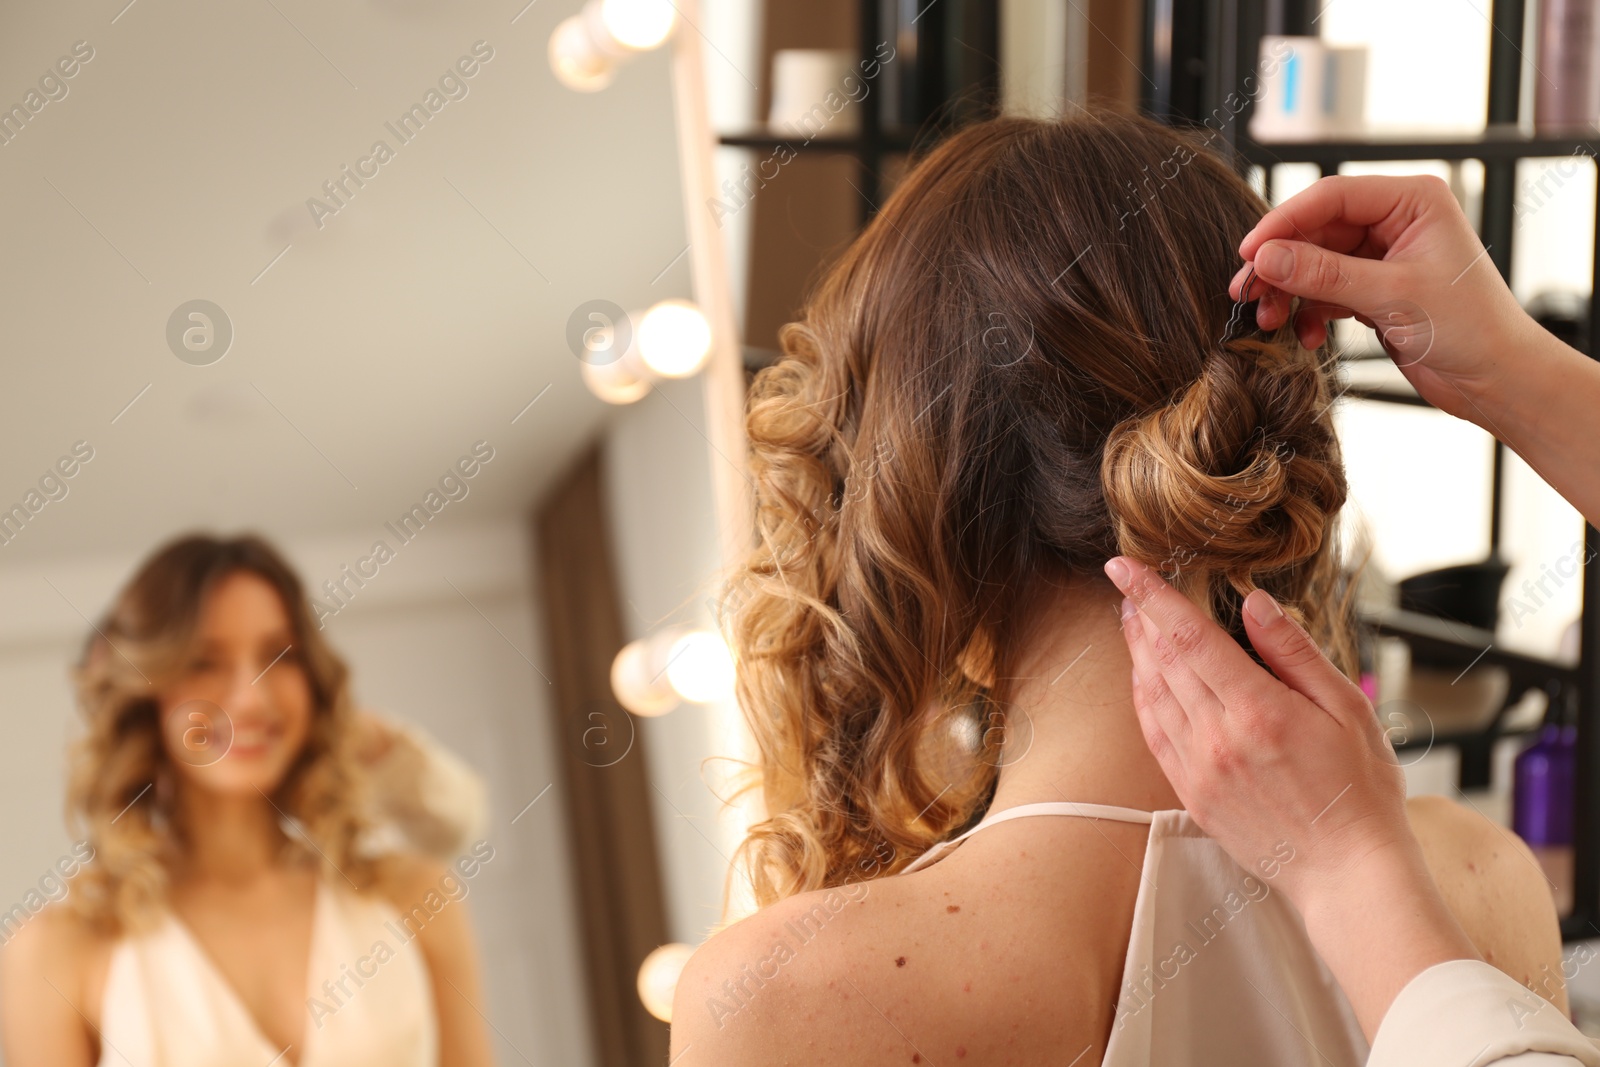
315, 274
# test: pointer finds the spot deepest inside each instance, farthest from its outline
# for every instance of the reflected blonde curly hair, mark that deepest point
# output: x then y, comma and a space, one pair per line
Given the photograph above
119, 787
1016, 371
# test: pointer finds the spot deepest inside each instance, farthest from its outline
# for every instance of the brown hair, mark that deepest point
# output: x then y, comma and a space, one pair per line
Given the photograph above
1016, 371
119, 784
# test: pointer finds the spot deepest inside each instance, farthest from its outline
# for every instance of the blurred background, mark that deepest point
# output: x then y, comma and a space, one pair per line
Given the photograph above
218, 289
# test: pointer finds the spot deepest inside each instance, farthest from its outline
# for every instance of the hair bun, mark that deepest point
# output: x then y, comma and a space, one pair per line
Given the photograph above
1237, 475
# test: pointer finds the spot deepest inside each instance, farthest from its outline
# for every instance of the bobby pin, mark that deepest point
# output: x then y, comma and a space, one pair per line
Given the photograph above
1236, 316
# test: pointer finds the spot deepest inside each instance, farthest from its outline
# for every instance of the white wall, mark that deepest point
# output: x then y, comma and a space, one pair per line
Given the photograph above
657, 468
658, 486
419, 652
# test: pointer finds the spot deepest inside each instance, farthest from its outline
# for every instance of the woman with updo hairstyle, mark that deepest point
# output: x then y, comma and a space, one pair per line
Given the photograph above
1028, 363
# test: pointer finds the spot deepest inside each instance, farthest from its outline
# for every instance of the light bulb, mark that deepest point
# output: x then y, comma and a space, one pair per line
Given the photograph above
658, 978
578, 62
613, 382
700, 668
639, 679
637, 24
674, 339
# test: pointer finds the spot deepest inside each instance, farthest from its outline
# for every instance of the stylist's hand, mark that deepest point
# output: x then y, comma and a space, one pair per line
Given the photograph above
372, 738
1256, 759
1299, 759
1398, 255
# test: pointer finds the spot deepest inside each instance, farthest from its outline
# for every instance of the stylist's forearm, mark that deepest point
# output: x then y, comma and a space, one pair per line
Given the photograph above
1380, 928
1545, 410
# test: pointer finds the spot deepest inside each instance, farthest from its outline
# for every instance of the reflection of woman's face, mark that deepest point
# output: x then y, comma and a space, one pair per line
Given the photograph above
238, 709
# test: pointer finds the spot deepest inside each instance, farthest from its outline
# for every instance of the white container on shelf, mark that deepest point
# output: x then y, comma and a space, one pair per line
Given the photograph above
815, 93
1309, 89
1344, 89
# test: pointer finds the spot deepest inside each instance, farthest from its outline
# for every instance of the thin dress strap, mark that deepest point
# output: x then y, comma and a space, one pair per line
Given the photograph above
1023, 811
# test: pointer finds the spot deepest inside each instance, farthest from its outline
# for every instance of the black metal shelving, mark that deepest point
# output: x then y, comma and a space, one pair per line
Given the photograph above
1204, 52
1195, 53
945, 72
1502, 142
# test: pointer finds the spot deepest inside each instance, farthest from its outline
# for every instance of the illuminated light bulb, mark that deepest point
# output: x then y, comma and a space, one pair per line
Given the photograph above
637, 24
639, 678
577, 60
658, 978
614, 382
700, 668
674, 339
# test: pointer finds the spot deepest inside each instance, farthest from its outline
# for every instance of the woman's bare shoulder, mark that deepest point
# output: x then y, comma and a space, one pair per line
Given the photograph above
420, 889
53, 970
775, 978
403, 878
430, 899
56, 936
1495, 888
924, 968
406, 878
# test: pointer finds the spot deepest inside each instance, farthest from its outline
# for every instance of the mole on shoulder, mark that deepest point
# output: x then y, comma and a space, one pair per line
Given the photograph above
952, 908
900, 961
916, 1057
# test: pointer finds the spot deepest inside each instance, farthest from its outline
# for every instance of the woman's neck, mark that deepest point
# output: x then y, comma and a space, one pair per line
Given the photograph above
1072, 733
226, 838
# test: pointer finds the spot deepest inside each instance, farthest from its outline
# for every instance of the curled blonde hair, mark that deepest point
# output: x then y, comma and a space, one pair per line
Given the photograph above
1020, 368
120, 783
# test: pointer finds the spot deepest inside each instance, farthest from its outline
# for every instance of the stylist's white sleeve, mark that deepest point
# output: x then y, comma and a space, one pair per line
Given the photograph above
1466, 1013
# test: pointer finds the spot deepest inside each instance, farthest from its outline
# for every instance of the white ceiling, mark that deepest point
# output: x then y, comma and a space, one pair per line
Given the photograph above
425, 315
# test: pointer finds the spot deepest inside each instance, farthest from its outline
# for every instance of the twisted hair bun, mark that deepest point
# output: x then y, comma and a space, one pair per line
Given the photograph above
1236, 476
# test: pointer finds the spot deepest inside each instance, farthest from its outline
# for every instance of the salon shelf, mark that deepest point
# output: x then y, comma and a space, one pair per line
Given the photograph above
1502, 142
756, 359
769, 141
1365, 354
1190, 70
1456, 739
1370, 375
1447, 646
970, 88
1471, 646
1402, 394
1385, 396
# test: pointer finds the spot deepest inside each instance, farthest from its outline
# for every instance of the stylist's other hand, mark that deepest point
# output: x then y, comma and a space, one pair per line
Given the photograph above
372, 739
1298, 759
1397, 254
1262, 761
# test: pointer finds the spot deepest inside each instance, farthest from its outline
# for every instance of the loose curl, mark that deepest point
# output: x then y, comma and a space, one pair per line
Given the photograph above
120, 784
1016, 371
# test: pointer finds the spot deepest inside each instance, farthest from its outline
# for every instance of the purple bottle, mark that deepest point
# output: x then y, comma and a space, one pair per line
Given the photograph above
1542, 803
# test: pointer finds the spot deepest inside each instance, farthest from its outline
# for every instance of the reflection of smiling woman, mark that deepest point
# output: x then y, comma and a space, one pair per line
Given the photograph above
218, 785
